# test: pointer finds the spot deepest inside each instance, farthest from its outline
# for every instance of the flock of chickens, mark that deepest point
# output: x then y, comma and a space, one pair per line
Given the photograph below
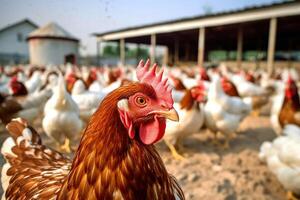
118, 113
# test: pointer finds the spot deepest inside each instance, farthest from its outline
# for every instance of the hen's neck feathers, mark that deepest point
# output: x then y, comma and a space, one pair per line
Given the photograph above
296, 101
187, 102
109, 164
216, 90
61, 99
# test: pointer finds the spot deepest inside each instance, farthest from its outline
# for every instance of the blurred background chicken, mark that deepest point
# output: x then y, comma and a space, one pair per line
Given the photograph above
191, 119
286, 105
61, 121
283, 160
28, 108
223, 113
87, 101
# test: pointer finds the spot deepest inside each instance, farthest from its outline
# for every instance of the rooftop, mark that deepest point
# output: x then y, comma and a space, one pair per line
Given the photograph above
18, 23
52, 30
198, 17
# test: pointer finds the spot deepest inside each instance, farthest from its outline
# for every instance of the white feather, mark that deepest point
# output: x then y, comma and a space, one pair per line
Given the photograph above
283, 158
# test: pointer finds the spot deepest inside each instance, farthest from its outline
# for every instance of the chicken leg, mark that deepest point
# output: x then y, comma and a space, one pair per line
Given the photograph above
226, 145
255, 113
174, 152
228, 138
66, 146
291, 196
179, 146
215, 140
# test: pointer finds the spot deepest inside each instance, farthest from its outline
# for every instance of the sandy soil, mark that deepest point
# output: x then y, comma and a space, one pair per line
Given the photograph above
211, 173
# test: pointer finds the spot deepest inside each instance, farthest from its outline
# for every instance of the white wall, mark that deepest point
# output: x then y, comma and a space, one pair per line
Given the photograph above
51, 51
9, 43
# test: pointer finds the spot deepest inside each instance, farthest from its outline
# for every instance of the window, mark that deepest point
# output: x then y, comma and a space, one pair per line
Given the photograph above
20, 37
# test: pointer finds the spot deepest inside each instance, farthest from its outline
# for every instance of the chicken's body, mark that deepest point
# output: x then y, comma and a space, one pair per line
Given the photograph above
34, 83
282, 158
224, 113
26, 175
61, 121
246, 88
28, 108
191, 120
115, 171
116, 158
87, 101
8, 108
286, 106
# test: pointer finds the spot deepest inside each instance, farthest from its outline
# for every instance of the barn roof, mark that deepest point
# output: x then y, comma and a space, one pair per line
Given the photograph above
171, 25
52, 31
9, 26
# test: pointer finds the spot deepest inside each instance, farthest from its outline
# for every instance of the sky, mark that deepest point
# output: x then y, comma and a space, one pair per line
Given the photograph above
81, 18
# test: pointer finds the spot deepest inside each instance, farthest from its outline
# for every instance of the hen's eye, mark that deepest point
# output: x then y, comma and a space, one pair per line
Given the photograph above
140, 101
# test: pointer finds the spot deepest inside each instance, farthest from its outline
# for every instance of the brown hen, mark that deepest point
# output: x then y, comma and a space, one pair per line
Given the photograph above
290, 110
116, 158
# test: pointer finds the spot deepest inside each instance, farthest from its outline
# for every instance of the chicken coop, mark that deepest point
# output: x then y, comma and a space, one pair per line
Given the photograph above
264, 36
52, 44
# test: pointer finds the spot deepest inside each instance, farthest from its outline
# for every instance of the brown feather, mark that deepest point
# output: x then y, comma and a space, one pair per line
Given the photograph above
178, 84
288, 112
107, 165
112, 166
187, 100
291, 107
229, 88
8, 108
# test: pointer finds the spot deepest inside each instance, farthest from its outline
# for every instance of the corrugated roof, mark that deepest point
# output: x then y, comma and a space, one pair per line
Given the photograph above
18, 23
248, 8
52, 30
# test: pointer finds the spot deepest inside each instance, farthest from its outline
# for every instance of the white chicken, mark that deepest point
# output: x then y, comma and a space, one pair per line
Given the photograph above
224, 113
33, 105
246, 88
61, 121
283, 159
277, 102
35, 82
87, 101
179, 88
191, 119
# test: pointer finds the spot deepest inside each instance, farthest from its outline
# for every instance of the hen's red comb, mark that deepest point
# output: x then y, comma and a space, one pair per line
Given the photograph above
14, 79
160, 85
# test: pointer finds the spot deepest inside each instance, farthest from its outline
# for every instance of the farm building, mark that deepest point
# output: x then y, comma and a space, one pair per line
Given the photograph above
51, 44
270, 32
13, 45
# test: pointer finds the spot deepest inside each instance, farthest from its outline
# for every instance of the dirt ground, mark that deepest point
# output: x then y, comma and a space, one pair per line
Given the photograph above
211, 173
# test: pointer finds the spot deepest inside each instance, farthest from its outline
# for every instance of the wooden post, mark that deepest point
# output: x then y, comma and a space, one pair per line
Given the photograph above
187, 51
271, 45
122, 51
201, 46
137, 53
239, 54
153, 47
98, 52
176, 51
166, 56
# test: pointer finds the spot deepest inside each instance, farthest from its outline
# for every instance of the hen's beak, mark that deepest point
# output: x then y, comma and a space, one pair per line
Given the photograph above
168, 114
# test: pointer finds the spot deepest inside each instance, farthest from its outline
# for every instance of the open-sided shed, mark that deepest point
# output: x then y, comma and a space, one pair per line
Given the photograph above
267, 28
